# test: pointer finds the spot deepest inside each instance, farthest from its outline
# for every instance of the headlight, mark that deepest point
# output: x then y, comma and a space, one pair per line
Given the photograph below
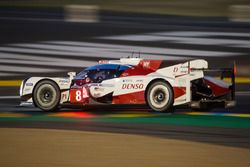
22, 86
21, 89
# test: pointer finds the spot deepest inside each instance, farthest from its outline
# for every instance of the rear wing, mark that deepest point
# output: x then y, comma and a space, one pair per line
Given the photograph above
224, 72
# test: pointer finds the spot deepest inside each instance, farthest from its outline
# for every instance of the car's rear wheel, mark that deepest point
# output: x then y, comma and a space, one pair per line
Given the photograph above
159, 96
46, 95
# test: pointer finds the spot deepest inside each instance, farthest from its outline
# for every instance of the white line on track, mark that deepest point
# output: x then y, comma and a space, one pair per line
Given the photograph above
16, 54
13, 68
202, 34
31, 19
186, 37
243, 93
97, 50
10, 58
9, 97
4, 74
151, 51
107, 50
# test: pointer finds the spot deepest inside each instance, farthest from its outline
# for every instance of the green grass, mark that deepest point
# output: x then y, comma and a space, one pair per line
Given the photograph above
174, 119
174, 7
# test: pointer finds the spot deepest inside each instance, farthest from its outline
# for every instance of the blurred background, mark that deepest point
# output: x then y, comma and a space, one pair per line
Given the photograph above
52, 37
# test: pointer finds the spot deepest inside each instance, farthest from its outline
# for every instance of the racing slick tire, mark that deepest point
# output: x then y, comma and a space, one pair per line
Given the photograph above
46, 95
160, 97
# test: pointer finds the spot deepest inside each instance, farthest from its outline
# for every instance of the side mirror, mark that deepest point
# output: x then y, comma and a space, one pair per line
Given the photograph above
71, 75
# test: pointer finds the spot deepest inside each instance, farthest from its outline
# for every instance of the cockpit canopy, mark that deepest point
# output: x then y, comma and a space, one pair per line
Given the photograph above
100, 72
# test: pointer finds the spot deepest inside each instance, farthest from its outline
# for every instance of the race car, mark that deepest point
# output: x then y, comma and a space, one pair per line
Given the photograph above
160, 84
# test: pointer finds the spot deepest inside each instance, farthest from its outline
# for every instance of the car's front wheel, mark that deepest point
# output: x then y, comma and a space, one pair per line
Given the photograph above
160, 97
46, 95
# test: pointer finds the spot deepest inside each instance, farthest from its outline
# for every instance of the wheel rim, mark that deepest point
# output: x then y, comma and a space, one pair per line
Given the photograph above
46, 95
159, 96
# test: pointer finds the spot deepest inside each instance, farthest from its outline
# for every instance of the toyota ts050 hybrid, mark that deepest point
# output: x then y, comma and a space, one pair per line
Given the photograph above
157, 83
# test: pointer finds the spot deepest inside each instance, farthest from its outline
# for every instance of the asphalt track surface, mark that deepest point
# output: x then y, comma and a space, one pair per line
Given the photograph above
219, 126
226, 127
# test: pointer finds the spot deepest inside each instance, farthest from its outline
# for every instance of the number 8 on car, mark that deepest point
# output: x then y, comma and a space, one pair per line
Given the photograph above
79, 95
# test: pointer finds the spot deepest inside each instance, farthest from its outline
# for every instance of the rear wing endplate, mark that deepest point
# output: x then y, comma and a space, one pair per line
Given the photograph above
229, 72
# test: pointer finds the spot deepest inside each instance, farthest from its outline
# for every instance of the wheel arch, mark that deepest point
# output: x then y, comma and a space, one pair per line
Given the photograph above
153, 81
43, 79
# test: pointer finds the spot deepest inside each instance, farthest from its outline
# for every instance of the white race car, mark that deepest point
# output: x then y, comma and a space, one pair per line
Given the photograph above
157, 83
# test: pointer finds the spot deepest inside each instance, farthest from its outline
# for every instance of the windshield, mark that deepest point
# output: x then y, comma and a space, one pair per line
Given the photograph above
82, 74
101, 72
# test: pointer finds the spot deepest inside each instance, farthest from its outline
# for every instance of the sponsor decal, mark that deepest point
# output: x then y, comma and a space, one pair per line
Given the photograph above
132, 86
175, 69
103, 62
97, 95
125, 74
29, 84
184, 71
146, 64
64, 96
27, 89
98, 89
127, 80
64, 81
184, 66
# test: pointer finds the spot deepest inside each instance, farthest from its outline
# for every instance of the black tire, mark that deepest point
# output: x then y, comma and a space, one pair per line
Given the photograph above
160, 96
46, 95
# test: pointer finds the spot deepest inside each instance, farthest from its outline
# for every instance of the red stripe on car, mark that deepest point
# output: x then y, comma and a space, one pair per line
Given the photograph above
144, 67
